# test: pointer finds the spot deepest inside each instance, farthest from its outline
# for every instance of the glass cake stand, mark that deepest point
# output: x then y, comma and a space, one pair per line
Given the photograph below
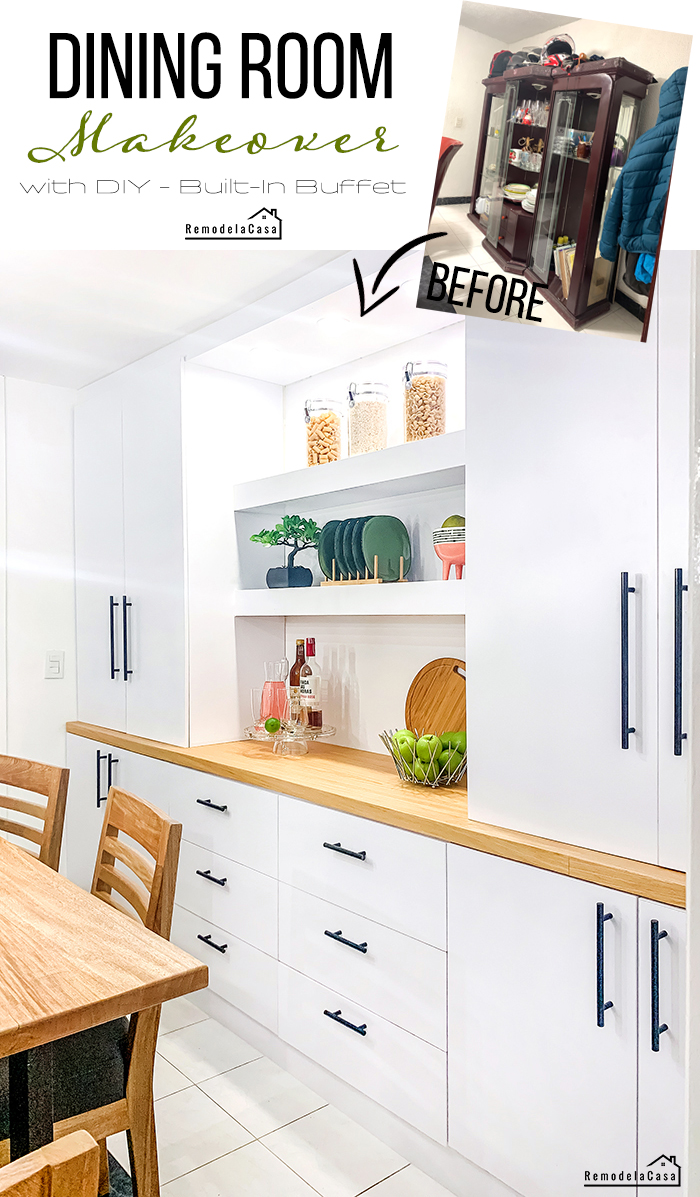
292, 739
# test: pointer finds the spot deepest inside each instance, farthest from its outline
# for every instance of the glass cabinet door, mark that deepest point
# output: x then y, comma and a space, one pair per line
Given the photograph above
625, 134
551, 185
501, 160
492, 149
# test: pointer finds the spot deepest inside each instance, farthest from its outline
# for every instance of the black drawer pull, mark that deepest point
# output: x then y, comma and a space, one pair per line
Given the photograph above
346, 851
340, 938
207, 939
212, 805
206, 874
335, 1015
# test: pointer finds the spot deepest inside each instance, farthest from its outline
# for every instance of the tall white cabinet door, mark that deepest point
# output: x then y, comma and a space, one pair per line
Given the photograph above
539, 1093
154, 551
661, 1072
674, 313
561, 499
90, 778
99, 553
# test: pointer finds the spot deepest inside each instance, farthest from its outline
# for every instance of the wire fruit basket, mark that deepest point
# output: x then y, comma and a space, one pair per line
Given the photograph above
426, 772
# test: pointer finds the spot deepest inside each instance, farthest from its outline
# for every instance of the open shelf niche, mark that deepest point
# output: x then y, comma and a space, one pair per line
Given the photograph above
246, 399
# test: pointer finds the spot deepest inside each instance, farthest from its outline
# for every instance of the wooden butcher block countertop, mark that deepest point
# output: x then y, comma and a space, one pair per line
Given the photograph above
366, 784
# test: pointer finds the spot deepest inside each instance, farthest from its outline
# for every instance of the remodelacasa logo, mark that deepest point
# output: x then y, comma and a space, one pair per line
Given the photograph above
264, 225
662, 1173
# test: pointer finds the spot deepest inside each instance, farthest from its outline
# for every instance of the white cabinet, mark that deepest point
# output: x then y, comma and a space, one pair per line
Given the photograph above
562, 499
401, 1072
130, 557
236, 820
93, 768
540, 1092
393, 877
662, 948
234, 897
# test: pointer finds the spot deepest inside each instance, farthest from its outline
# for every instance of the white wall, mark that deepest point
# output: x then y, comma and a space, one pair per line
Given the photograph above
38, 585
471, 65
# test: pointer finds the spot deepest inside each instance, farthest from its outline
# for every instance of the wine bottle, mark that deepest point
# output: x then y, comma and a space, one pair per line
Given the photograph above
294, 684
310, 687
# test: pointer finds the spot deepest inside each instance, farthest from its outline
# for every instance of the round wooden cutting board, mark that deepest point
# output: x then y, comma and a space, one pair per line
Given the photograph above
437, 698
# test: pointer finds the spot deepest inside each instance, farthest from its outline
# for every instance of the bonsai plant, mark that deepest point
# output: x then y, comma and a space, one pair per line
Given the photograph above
298, 534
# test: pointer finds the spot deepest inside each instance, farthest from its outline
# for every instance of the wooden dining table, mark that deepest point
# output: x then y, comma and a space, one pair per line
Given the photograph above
68, 962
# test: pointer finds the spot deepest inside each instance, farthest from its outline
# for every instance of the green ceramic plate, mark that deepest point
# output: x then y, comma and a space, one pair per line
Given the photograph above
326, 547
357, 543
348, 547
341, 564
385, 537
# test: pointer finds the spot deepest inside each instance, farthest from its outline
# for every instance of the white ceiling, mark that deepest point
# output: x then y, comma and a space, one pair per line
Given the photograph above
330, 331
69, 317
509, 25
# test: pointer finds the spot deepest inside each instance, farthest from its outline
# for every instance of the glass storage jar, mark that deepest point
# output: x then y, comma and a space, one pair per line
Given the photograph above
323, 430
367, 417
425, 385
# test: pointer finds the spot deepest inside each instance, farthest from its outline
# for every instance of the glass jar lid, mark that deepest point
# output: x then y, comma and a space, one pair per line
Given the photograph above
317, 407
378, 391
426, 366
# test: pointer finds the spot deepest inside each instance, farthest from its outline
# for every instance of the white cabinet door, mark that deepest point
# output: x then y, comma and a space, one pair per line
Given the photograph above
157, 705
539, 1093
661, 1057
561, 499
99, 554
673, 311
92, 767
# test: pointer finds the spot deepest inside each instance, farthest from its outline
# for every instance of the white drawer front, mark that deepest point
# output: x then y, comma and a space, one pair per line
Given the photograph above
245, 830
405, 1074
399, 978
400, 882
245, 905
244, 976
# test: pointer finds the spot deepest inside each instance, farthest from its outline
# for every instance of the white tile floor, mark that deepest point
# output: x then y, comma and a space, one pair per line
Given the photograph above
230, 1123
462, 246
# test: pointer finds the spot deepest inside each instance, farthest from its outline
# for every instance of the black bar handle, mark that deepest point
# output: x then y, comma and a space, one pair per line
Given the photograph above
101, 756
340, 938
656, 1029
678, 734
335, 1015
113, 668
218, 947
346, 851
125, 645
601, 920
625, 591
212, 805
206, 874
111, 762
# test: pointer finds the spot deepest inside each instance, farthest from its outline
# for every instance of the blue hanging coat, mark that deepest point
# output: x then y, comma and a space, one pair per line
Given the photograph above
634, 215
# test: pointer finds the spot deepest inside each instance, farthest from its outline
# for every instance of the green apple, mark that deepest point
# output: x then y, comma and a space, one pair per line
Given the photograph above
455, 521
456, 739
407, 750
427, 747
424, 771
404, 734
450, 759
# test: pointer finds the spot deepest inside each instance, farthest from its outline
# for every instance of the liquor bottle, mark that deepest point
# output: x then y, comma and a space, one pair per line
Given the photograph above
294, 684
310, 685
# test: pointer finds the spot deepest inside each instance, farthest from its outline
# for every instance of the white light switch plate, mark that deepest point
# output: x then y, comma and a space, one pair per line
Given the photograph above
55, 662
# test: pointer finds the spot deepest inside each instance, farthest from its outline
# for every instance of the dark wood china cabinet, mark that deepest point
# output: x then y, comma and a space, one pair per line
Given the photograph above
585, 123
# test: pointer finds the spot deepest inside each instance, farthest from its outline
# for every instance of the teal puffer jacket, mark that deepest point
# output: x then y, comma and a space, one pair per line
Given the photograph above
634, 215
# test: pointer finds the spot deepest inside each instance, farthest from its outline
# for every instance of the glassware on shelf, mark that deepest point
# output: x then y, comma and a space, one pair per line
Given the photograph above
323, 419
274, 702
425, 384
367, 417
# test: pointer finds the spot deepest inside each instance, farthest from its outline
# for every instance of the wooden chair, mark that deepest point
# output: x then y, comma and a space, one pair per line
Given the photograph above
107, 1072
52, 783
69, 1168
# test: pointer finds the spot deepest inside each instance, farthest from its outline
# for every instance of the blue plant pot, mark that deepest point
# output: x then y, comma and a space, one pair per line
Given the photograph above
288, 575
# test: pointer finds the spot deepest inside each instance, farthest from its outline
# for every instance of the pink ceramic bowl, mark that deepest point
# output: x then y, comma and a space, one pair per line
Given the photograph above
451, 554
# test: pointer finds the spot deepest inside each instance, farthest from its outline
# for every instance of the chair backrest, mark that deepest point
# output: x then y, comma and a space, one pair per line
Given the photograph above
69, 1167
51, 782
149, 885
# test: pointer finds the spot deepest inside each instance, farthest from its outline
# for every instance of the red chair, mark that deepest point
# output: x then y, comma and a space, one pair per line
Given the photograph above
448, 149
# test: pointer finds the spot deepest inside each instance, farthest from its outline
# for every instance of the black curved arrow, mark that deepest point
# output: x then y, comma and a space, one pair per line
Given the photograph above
384, 269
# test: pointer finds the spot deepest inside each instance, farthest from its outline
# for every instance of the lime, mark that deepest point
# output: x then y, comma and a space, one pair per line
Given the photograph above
272, 725
454, 521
